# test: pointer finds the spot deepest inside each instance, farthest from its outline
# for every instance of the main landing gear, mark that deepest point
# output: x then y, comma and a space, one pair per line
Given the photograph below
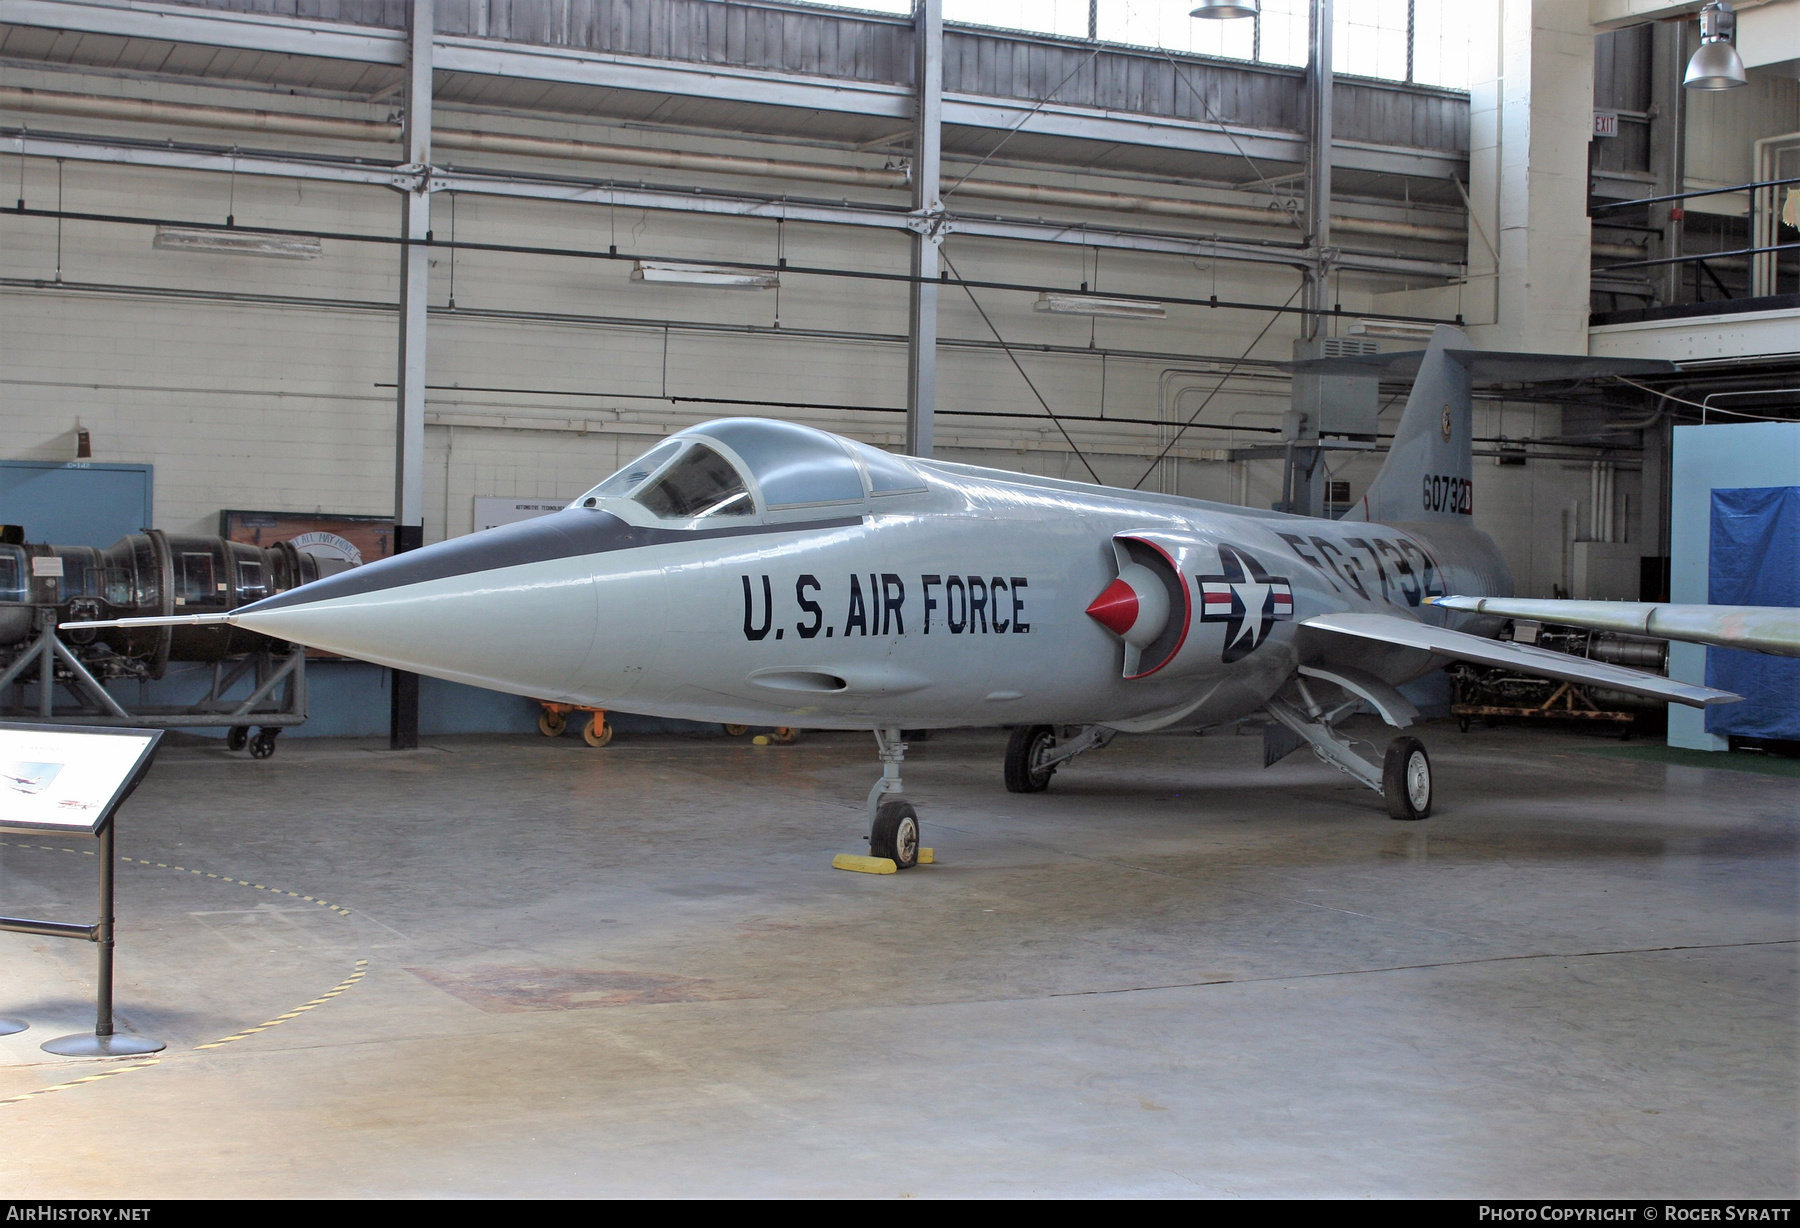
1034, 752
1403, 777
893, 823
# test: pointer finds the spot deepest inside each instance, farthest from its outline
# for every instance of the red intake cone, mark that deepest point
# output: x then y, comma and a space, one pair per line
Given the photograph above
1116, 609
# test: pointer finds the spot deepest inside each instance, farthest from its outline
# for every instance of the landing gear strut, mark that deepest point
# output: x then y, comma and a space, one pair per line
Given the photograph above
1034, 752
893, 823
1403, 778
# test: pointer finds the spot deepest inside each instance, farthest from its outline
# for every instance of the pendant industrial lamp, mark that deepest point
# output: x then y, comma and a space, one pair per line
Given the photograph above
1226, 11
1717, 64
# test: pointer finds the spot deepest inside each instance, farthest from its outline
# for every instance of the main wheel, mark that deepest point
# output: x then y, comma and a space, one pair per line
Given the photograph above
737, 731
551, 724
784, 735
597, 732
1462, 723
1027, 744
896, 833
238, 738
1406, 780
263, 744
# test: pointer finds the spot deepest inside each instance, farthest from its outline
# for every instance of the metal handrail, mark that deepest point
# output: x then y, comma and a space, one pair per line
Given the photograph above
1740, 251
1657, 200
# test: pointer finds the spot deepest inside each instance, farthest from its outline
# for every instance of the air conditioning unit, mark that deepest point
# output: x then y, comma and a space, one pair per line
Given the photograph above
1337, 404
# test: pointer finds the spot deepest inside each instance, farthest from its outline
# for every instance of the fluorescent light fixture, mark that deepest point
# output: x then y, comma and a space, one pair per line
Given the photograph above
238, 242
670, 273
1392, 330
1226, 11
1717, 64
1095, 305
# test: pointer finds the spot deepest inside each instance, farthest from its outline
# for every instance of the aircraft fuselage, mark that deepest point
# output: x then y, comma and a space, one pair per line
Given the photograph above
962, 603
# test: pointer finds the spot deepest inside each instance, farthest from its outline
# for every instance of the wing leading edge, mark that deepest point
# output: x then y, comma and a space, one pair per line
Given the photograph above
1758, 628
1406, 633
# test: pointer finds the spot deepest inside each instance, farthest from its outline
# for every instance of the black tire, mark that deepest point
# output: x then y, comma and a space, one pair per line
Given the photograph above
1021, 749
1462, 723
238, 738
896, 833
1406, 780
263, 744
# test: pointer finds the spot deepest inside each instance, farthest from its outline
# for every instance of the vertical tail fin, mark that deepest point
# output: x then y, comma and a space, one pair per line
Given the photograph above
1428, 469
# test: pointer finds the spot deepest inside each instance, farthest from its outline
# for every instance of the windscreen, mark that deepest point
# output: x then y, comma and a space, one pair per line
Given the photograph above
632, 476
702, 483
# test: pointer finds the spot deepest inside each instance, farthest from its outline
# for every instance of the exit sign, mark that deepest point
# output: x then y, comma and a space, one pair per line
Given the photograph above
1606, 123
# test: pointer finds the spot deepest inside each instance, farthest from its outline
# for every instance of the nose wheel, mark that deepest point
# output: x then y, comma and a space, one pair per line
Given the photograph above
895, 834
894, 824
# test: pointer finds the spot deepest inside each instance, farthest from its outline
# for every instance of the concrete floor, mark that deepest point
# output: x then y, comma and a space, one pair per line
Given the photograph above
632, 972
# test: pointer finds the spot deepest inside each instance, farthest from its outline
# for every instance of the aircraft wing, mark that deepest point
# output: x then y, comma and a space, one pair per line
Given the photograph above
1758, 628
1405, 632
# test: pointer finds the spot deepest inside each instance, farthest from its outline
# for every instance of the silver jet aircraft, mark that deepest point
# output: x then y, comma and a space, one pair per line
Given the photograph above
751, 571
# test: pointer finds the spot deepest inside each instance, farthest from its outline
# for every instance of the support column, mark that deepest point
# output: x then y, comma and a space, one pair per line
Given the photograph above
928, 212
1300, 492
1668, 146
1317, 296
415, 286
1531, 104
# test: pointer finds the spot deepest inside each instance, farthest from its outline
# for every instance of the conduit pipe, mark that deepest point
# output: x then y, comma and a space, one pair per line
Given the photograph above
143, 110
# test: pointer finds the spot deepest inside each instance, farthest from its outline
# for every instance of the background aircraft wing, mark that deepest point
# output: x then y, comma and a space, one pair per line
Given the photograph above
1405, 632
1758, 628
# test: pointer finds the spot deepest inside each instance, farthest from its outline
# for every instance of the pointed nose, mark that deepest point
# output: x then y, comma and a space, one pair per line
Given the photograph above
511, 609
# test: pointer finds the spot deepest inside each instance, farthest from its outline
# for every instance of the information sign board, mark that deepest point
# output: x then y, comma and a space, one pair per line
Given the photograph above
69, 778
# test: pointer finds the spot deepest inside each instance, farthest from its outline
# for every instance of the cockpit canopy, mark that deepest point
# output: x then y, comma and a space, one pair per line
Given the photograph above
740, 466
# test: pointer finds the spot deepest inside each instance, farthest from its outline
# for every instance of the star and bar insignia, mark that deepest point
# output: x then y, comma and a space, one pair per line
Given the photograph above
1246, 598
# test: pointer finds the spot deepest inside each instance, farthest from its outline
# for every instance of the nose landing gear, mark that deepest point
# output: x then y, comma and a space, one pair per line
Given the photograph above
893, 823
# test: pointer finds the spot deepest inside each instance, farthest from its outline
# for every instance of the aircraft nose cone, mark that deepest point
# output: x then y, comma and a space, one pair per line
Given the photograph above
511, 609
1116, 609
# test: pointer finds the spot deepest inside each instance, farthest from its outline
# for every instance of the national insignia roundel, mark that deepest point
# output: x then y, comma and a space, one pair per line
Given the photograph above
1246, 598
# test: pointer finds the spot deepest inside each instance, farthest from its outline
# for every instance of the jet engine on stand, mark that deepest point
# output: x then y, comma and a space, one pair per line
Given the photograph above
53, 676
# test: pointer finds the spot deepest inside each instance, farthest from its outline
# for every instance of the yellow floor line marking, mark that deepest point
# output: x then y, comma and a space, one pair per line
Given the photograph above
63, 1087
362, 970
162, 865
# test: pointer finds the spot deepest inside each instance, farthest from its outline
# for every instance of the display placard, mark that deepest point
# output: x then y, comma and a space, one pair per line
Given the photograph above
492, 513
69, 778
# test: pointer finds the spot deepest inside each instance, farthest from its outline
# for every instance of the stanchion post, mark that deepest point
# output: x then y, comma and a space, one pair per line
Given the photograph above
103, 937
104, 1042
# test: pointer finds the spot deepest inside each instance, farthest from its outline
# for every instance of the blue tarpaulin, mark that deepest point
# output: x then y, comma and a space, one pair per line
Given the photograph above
1754, 559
